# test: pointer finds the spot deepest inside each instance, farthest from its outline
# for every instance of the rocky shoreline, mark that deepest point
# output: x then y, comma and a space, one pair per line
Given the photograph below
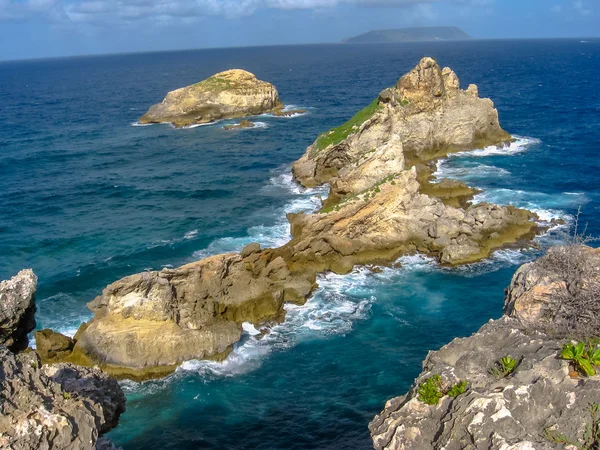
51, 406
383, 204
519, 390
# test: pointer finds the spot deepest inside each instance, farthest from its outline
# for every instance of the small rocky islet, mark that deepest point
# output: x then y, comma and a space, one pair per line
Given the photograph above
226, 95
383, 203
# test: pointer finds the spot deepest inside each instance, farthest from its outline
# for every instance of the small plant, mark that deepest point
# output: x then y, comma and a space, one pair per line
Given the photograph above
66, 395
430, 390
458, 389
591, 436
503, 367
33, 365
583, 356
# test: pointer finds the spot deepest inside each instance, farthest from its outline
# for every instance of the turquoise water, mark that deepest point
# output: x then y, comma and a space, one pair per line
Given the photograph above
86, 198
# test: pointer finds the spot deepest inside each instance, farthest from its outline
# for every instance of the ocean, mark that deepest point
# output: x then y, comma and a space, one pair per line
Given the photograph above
87, 197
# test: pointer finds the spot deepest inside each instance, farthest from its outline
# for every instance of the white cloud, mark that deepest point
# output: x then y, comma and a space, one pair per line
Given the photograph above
112, 11
582, 8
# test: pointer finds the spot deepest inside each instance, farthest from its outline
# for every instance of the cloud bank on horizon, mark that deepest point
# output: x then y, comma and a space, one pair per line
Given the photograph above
131, 10
67, 27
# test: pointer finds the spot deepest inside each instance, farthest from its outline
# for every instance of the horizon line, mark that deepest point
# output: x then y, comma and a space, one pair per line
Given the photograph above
146, 52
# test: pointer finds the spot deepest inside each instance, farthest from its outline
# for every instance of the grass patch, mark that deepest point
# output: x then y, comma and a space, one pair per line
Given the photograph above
337, 135
216, 84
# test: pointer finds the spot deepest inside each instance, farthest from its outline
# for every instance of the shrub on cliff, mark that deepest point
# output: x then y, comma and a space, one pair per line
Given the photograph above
576, 300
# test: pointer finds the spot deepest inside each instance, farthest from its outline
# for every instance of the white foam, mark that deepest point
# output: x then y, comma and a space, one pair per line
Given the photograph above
191, 234
446, 168
137, 124
519, 145
277, 233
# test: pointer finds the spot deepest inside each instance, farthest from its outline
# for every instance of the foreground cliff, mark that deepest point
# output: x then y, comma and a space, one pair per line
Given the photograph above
230, 94
383, 204
56, 406
510, 386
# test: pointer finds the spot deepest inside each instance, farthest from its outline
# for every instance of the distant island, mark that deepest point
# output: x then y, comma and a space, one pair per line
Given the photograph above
409, 35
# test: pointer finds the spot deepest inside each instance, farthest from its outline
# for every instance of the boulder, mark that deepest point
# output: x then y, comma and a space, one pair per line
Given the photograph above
17, 309
56, 406
226, 95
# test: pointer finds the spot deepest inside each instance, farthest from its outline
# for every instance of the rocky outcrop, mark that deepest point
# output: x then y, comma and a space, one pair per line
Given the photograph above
56, 406
147, 324
393, 218
17, 309
426, 115
230, 94
539, 405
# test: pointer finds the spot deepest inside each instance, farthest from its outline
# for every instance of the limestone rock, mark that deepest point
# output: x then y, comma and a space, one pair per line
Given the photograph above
494, 413
57, 406
17, 309
147, 324
230, 94
542, 292
426, 111
518, 410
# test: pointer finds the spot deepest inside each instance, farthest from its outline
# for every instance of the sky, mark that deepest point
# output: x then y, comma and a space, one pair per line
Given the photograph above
49, 28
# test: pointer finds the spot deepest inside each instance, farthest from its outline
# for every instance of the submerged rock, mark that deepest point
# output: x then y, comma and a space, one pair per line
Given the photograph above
526, 408
242, 124
17, 309
226, 95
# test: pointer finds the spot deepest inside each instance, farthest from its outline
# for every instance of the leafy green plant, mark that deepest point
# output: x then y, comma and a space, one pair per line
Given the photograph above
457, 389
503, 367
430, 390
583, 356
591, 436
66, 395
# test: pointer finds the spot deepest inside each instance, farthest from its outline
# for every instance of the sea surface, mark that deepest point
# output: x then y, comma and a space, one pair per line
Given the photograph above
87, 197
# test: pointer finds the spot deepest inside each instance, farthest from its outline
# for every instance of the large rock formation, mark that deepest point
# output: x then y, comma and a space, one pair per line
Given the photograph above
56, 406
230, 94
383, 204
147, 324
17, 309
542, 404
426, 115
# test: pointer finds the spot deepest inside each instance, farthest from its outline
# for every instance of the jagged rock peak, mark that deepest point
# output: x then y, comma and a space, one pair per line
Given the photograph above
17, 309
428, 80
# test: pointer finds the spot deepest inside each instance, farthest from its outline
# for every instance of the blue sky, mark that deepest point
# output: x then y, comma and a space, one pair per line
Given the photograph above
46, 28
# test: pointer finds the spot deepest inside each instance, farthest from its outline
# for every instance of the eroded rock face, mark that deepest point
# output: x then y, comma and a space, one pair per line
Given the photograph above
424, 116
494, 413
230, 94
394, 218
17, 309
154, 321
57, 406
519, 411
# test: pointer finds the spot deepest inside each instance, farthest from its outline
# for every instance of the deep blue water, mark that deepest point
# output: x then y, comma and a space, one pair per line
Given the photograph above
87, 198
